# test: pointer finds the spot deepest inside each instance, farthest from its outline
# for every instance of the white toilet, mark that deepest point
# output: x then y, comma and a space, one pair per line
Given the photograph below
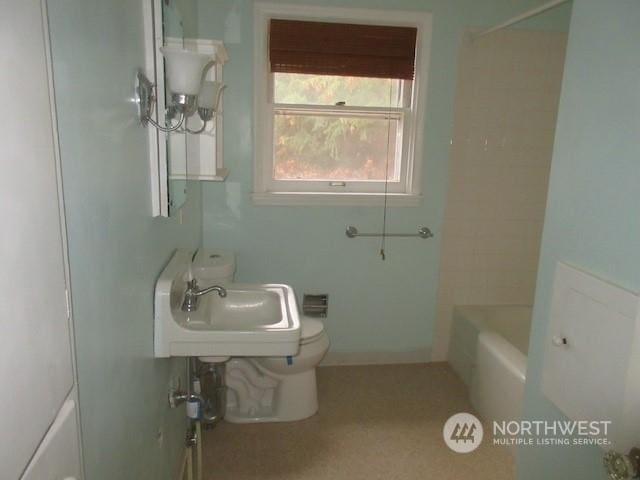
277, 389
267, 389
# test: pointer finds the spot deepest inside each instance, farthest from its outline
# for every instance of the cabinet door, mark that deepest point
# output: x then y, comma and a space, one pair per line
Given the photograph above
35, 340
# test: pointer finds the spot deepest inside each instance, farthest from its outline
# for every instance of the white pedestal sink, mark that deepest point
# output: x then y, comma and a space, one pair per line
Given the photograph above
252, 320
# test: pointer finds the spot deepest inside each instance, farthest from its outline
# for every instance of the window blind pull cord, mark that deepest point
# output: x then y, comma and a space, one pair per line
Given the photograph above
386, 183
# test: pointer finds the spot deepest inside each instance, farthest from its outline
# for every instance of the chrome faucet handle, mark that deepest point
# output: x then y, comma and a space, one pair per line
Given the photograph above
193, 293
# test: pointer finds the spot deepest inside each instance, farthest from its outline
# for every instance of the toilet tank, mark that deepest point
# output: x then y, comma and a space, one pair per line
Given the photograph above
214, 266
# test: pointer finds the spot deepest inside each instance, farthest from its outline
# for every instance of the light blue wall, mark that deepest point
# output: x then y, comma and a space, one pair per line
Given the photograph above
116, 248
180, 18
374, 306
592, 212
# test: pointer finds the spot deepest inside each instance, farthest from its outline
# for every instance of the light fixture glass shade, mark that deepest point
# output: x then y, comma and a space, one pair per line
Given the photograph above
209, 94
184, 69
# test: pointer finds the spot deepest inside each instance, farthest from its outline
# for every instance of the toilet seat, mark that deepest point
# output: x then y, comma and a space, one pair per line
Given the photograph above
311, 330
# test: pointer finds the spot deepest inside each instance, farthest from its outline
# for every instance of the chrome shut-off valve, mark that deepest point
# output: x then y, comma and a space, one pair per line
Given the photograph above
622, 467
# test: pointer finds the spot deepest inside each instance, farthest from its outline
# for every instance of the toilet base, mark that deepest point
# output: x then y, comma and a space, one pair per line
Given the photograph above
293, 398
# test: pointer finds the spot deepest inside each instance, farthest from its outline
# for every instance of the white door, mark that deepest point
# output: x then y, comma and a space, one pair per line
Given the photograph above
36, 369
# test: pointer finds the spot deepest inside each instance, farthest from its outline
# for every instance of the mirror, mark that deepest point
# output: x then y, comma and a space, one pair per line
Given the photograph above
173, 32
174, 155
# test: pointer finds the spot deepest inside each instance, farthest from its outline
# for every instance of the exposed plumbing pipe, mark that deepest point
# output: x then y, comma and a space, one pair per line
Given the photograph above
211, 419
186, 468
190, 465
199, 451
213, 392
215, 395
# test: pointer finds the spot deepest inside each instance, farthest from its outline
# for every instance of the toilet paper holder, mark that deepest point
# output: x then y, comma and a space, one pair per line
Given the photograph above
315, 305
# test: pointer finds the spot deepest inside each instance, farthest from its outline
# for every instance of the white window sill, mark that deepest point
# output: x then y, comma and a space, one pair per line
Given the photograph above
335, 199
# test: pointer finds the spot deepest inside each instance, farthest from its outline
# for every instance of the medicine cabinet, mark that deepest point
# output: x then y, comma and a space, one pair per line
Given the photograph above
177, 158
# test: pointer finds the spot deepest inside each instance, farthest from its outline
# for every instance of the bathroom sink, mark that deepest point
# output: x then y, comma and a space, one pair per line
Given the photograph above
244, 307
251, 320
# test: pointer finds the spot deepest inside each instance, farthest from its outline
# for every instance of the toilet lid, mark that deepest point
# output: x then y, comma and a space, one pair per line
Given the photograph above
310, 328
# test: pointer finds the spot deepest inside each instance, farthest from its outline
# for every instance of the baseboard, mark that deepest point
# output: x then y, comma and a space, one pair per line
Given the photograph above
376, 358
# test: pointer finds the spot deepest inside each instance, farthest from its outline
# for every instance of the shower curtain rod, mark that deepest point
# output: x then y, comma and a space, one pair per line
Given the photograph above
523, 16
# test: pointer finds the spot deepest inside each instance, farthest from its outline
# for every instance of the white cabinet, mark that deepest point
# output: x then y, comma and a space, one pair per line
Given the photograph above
178, 156
592, 359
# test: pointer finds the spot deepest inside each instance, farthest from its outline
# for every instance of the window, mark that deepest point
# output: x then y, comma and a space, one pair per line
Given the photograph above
337, 105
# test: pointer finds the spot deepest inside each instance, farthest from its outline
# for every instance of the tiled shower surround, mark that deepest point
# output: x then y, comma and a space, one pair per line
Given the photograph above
506, 104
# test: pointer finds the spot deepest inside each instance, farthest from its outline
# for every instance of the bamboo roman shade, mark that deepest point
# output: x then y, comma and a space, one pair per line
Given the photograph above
342, 49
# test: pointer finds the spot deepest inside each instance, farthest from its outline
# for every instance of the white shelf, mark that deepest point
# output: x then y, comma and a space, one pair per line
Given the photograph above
220, 176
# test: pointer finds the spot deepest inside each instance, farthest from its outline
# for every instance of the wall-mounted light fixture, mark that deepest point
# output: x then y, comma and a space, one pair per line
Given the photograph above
190, 93
208, 102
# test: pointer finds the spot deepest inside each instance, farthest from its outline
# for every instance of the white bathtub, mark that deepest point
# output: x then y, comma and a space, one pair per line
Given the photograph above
488, 349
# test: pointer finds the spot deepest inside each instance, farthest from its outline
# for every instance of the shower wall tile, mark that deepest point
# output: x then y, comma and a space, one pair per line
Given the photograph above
505, 114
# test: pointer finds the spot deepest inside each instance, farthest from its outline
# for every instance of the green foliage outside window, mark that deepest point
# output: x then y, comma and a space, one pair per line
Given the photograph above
334, 147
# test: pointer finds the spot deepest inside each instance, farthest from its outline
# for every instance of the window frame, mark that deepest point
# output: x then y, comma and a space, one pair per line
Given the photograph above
407, 192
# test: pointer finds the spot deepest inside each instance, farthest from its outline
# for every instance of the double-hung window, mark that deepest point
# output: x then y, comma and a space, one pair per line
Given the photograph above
338, 105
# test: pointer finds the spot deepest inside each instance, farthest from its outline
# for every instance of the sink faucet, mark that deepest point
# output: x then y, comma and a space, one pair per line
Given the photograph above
193, 294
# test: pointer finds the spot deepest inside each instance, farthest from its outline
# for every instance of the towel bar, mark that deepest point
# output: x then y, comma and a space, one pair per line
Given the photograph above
423, 232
